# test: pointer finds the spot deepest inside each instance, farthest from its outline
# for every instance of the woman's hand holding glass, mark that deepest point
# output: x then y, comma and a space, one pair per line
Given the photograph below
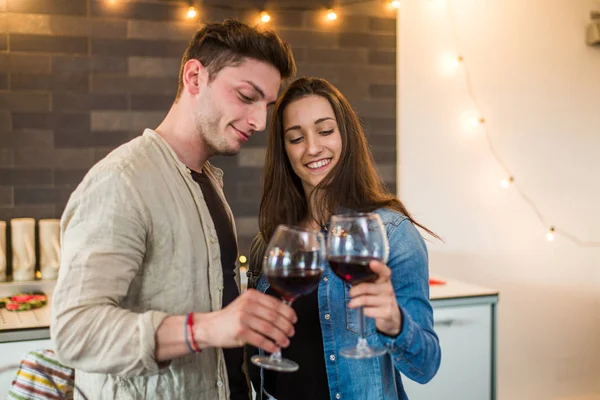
354, 242
379, 300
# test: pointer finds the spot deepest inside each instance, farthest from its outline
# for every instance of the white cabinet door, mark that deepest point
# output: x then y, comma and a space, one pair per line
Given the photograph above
12, 354
465, 373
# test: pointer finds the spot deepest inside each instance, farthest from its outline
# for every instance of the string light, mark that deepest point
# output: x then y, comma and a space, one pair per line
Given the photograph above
265, 17
243, 259
550, 234
191, 13
457, 61
478, 121
450, 63
505, 183
331, 15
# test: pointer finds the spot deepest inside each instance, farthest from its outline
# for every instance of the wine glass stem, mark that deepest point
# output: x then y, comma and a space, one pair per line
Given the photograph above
276, 356
362, 342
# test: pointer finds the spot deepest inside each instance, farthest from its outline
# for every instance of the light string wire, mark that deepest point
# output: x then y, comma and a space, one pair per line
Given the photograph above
471, 92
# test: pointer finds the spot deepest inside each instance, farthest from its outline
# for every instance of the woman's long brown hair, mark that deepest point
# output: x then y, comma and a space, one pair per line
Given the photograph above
353, 183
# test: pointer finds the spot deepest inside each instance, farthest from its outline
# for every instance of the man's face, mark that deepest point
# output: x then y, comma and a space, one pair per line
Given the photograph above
234, 105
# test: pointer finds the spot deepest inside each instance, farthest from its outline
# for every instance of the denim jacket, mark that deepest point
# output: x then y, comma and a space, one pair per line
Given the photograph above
415, 352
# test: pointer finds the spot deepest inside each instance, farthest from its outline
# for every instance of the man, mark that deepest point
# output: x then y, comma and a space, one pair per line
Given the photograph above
148, 237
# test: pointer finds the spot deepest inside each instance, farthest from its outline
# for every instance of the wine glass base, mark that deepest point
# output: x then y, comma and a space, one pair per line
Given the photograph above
280, 365
358, 352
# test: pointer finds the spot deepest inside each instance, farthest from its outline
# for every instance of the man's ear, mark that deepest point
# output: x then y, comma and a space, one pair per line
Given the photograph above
195, 76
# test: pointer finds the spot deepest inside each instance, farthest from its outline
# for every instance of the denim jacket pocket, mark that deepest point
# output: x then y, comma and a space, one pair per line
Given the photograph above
352, 323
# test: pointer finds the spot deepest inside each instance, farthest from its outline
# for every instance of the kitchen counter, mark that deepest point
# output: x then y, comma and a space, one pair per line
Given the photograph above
25, 325
35, 324
453, 289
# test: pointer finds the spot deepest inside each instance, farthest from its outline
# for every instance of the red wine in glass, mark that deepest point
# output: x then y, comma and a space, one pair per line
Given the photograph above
353, 269
293, 265
294, 283
354, 240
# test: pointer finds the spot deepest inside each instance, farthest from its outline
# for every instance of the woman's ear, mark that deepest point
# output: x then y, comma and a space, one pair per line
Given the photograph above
194, 76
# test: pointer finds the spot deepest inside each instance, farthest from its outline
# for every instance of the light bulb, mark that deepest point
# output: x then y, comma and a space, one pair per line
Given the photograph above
331, 15
243, 259
550, 234
265, 17
191, 12
395, 3
457, 61
450, 63
477, 121
505, 183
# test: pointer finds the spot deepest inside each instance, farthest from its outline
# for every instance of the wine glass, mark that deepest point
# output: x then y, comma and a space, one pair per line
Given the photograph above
293, 265
354, 240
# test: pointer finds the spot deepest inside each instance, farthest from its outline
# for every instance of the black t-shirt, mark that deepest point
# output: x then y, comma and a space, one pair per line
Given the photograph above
234, 358
306, 349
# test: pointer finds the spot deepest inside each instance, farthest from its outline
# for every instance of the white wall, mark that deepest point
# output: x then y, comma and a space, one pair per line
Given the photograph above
539, 87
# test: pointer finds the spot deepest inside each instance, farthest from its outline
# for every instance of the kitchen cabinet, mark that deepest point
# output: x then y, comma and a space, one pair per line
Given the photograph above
465, 321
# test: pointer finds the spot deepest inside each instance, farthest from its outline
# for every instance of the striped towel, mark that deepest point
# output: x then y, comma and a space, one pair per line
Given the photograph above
42, 377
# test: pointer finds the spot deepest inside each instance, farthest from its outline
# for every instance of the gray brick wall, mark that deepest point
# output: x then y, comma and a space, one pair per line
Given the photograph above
80, 77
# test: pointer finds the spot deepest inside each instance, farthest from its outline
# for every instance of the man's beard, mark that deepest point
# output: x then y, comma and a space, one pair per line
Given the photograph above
216, 142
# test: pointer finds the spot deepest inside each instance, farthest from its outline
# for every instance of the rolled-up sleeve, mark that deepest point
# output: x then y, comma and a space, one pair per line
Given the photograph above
103, 240
416, 350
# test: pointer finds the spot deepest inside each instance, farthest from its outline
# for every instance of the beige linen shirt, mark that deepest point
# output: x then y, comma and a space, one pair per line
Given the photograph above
138, 244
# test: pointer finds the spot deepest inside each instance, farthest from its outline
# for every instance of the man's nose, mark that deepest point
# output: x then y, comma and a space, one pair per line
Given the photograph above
258, 118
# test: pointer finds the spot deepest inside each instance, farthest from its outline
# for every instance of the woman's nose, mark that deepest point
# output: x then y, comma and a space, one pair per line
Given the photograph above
314, 145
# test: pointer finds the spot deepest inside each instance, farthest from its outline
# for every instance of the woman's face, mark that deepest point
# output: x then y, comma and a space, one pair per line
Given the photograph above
312, 139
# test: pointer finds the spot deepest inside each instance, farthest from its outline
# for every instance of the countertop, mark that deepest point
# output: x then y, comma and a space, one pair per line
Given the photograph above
454, 289
28, 325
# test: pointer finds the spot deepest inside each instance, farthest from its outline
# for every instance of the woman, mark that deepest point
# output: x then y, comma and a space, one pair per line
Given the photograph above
318, 163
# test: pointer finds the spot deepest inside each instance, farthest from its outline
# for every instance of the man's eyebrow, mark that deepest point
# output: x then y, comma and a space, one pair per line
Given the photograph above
255, 86
260, 92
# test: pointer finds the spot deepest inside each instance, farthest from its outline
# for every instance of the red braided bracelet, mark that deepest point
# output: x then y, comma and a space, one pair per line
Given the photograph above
190, 320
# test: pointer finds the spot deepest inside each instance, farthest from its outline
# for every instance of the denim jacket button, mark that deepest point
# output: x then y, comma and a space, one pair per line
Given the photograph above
327, 316
338, 396
326, 279
332, 357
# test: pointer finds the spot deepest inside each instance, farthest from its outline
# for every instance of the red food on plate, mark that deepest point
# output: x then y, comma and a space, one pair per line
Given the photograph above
22, 298
24, 301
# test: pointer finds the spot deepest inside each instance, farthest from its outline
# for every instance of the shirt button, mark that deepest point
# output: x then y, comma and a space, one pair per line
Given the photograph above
326, 279
327, 316
332, 357
338, 396
189, 171
213, 239
219, 384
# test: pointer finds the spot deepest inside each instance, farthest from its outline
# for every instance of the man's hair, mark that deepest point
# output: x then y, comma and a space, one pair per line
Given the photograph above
220, 45
353, 183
